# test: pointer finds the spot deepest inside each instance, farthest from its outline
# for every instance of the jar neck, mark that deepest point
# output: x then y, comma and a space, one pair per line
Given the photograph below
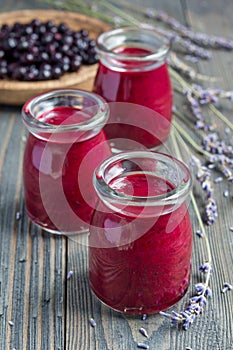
65, 115
163, 182
133, 48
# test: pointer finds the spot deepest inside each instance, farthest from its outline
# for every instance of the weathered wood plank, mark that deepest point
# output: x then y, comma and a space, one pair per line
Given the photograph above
215, 18
33, 266
50, 312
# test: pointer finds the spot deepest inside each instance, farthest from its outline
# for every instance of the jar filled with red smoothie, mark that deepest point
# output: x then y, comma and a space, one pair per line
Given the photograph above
133, 71
140, 240
65, 144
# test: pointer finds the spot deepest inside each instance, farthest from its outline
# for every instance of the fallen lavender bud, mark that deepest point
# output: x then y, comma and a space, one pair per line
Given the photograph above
69, 274
143, 332
226, 287
92, 322
144, 317
18, 215
199, 233
143, 346
11, 323
226, 193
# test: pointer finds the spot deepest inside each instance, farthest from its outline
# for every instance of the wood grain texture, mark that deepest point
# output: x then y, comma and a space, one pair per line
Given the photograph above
50, 312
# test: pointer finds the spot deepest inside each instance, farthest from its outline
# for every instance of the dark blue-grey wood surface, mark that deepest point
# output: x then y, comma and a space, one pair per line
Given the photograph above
51, 312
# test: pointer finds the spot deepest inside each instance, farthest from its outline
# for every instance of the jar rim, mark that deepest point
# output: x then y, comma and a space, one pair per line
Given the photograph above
106, 192
159, 54
97, 120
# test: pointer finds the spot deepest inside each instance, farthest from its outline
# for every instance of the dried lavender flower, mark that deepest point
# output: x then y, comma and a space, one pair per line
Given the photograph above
226, 193
144, 317
143, 332
201, 39
11, 323
177, 64
203, 176
194, 49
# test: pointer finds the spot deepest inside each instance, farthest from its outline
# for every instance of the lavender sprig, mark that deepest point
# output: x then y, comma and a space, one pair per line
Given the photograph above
186, 44
197, 112
186, 70
203, 176
194, 49
197, 302
202, 39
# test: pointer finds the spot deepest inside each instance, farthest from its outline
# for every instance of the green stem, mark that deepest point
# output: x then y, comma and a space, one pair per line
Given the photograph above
221, 116
190, 140
119, 12
78, 6
200, 221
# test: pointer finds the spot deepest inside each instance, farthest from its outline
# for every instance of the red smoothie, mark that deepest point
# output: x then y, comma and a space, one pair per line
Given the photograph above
136, 83
55, 163
150, 273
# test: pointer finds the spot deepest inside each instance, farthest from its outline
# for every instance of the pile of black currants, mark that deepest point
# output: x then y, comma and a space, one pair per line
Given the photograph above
39, 50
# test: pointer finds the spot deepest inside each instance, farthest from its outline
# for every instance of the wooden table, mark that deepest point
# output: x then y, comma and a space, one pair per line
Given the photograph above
48, 310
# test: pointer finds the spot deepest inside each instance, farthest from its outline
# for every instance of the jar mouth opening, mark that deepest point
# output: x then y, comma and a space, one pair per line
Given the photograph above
94, 106
154, 44
114, 167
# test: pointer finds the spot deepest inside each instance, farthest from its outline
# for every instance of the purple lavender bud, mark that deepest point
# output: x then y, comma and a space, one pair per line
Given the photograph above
18, 215
69, 274
194, 299
199, 233
226, 287
150, 13
208, 292
175, 320
205, 267
143, 346
143, 332
202, 300
92, 322
186, 324
199, 288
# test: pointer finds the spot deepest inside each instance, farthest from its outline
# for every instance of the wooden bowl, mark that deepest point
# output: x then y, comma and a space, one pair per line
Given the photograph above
14, 92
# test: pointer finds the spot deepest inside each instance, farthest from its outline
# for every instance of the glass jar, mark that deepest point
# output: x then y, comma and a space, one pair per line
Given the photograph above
65, 144
133, 70
140, 240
